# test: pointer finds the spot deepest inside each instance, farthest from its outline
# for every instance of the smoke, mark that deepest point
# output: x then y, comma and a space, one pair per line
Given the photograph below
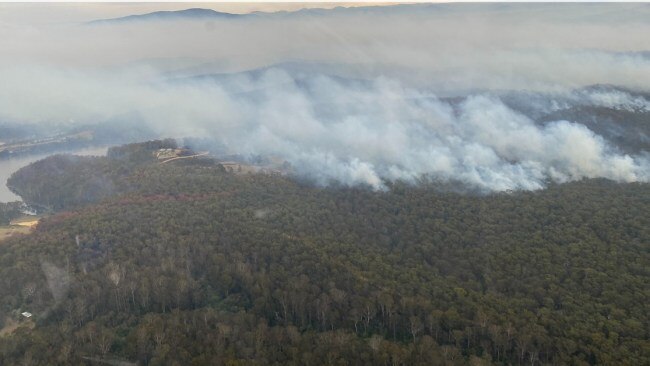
605, 97
446, 47
619, 100
58, 280
365, 104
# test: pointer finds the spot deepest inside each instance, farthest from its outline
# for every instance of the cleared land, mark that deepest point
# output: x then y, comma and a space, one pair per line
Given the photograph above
25, 221
22, 225
8, 231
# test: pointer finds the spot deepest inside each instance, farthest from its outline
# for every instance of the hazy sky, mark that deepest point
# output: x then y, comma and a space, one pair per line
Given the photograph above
34, 13
355, 97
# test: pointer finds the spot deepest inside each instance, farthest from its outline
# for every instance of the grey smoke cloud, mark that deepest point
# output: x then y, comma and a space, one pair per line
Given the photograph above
351, 133
378, 116
449, 48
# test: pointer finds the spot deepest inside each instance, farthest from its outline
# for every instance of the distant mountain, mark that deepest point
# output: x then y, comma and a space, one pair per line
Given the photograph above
299, 71
202, 14
635, 13
253, 84
187, 14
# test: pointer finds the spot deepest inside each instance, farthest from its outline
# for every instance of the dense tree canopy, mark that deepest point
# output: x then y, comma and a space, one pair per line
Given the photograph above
9, 211
187, 264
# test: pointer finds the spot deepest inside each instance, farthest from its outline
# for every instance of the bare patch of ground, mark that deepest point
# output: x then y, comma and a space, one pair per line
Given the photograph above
10, 230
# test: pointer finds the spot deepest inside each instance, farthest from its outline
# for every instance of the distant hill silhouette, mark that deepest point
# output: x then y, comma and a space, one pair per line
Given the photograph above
194, 13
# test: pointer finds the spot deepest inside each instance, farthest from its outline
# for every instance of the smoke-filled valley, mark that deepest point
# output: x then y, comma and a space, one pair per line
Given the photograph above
461, 93
428, 184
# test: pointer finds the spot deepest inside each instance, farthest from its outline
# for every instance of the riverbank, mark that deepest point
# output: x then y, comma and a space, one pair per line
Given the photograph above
9, 166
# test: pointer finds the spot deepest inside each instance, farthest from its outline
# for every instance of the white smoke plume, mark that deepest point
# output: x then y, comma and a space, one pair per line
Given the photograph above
619, 100
369, 106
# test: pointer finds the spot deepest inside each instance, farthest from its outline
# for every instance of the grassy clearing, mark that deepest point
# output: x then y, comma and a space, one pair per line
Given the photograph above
8, 231
26, 221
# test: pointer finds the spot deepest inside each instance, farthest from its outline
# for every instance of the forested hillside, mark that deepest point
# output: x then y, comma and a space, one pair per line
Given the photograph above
184, 263
9, 211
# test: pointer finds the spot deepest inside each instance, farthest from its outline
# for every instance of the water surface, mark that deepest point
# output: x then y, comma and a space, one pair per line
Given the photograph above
9, 166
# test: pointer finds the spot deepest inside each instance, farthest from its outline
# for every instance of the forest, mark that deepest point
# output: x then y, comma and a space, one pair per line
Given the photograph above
9, 211
184, 263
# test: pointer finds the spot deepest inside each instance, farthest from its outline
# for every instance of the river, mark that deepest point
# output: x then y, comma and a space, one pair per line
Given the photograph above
9, 166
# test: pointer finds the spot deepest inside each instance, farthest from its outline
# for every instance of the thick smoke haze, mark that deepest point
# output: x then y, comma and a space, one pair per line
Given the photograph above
449, 47
357, 96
